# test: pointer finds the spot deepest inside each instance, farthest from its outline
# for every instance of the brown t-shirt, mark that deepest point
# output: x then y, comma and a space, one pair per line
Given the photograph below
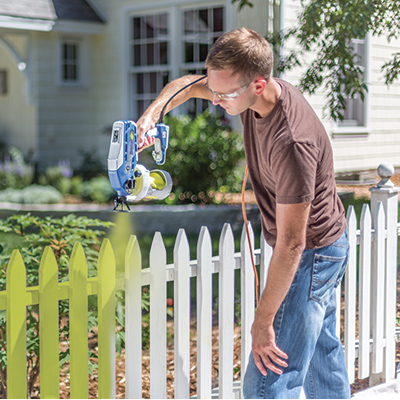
290, 161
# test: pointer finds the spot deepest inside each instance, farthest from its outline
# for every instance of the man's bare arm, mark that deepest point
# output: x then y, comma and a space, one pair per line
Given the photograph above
291, 222
152, 114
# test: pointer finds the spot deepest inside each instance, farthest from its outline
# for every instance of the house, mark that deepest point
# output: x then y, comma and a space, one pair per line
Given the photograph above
69, 68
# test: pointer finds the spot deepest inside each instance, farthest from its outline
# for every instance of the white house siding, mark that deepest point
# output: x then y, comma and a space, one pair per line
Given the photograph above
18, 124
69, 121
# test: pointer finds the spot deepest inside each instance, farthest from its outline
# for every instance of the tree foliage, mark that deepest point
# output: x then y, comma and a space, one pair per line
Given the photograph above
322, 43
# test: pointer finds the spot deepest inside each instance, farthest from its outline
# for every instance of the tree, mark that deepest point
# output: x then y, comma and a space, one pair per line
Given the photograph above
325, 31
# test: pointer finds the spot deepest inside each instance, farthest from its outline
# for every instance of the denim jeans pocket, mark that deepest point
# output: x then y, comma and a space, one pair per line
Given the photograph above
326, 274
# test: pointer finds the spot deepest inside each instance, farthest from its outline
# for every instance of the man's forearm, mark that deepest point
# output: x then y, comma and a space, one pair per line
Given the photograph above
153, 112
283, 267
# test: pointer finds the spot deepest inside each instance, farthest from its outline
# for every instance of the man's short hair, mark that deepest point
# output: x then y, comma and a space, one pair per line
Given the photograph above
243, 51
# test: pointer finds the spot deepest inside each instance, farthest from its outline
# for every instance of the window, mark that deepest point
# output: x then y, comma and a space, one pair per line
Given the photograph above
150, 64
201, 28
356, 111
71, 62
161, 50
3, 82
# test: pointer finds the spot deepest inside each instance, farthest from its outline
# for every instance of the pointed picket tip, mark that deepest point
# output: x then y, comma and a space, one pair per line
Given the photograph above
181, 243
244, 232
15, 267
204, 234
365, 212
380, 209
204, 243
106, 256
48, 267
351, 214
77, 252
226, 235
157, 245
181, 238
132, 248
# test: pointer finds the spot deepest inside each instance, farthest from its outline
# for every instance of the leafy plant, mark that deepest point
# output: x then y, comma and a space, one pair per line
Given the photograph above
203, 158
30, 235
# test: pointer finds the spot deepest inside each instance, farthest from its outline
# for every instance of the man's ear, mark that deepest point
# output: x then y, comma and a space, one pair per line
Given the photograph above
261, 84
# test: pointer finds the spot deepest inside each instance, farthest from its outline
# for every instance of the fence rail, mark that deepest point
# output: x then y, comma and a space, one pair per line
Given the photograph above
369, 292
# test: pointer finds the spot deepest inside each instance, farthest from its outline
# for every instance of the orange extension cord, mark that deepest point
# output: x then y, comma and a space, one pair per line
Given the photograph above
248, 235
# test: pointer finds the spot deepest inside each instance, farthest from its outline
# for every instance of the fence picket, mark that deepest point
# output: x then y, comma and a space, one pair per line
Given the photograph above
247, 295
78, 331
226, 311
364, 299
378, 293
350, 297
390, 286
158, 318
204, 315
266, 254
48, 326
133, 320
182, 316
16, 327
106, 320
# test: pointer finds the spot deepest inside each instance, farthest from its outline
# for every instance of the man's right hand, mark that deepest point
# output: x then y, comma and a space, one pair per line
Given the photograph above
143, 125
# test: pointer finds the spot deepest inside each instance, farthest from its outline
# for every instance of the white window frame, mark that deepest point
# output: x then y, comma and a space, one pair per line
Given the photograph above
81, 44
175, 56
342, 130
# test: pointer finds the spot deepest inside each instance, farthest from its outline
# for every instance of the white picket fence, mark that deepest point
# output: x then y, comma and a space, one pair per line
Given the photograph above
369, 303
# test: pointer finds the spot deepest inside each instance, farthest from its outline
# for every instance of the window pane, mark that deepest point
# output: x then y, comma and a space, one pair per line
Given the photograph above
150, 54
188, 18
150, 26
164, 53
189, 57
163, 24
218, 20
136, 28
203, 20
136, 57
139, 84
203, 49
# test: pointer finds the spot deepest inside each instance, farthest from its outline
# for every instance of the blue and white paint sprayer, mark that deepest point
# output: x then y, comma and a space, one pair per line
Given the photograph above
133, 181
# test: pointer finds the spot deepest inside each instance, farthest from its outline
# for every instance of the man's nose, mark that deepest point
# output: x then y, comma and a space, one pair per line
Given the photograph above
216, 100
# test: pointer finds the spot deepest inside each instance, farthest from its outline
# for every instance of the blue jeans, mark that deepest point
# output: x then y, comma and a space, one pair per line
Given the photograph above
305, 328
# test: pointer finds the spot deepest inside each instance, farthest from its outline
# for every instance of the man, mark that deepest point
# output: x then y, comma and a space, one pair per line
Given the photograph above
291, 167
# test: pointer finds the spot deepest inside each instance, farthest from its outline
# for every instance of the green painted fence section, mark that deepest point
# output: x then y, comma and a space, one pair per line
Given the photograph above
47, 294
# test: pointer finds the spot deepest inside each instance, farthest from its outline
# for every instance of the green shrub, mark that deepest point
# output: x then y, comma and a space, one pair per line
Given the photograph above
98, 189
34, 194
91, 165
203, 158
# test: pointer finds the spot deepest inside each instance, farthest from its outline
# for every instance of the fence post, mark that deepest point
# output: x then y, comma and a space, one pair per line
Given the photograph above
387, 193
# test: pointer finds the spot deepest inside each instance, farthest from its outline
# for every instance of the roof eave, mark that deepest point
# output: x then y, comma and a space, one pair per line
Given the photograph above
31, 24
